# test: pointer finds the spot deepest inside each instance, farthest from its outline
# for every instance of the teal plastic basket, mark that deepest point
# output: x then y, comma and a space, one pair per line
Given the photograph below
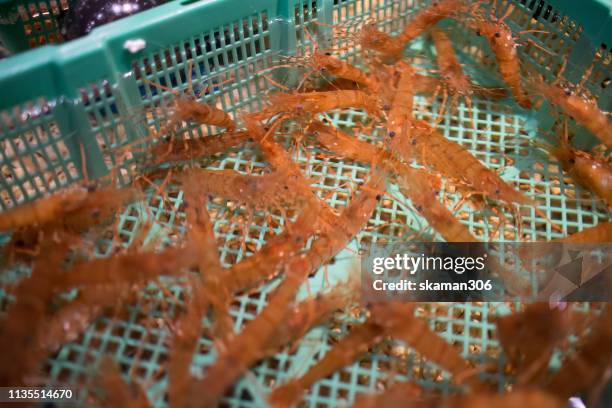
26, 24
89, 96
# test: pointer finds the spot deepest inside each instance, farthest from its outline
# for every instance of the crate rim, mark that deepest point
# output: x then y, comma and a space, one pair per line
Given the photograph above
107, 41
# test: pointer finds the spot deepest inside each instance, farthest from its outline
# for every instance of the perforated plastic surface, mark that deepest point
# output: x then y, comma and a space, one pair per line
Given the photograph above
109, 110
26, 24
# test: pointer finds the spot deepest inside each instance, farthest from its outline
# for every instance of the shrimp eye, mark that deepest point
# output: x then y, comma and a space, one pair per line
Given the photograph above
391, 134
419, 208
572, 160
478, 33
323, 69
386, 107
414, 142
286, 187
498, 34
328, 53
568, 92
266, 128
325, 120
185, 204
378, 197
497, 191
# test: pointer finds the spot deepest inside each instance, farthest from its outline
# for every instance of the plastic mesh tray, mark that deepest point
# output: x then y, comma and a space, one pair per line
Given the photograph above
102, 110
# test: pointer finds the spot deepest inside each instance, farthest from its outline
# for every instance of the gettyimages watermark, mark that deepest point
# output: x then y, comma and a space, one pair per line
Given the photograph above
463, 272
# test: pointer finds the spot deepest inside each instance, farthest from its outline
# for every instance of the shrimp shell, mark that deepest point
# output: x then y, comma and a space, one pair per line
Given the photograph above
201, 234
189, 110
389, 48
128, 268
272, 189
72, 210
504, 47
20, 327
453, 160
427, 17
401, 324
179, 150
594, 356
394, 396
428, 85
400, 115
317, 102
600, 233
585, 112
518, 398
117, 393
44, 210
341, 69
357, 342
533, 333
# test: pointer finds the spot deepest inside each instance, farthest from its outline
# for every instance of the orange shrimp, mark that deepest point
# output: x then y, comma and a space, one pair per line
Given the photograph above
312, 312
429, 85
68, 322
318, 102
20, 327
581, 372
73, 210
271, 189
429, 16
329, 64
394, 396
279, 159
601, 232
128, 268
270, 260
589, 172
173, 151
454, 80
400, 115
513, 399
413, 183
389, 47
453, 160
190, 110
244, 349
401, 324
44, 210
357, 342
530, 336
583, 110
116, 392
502, 42
201, 234
324, 63
188, 330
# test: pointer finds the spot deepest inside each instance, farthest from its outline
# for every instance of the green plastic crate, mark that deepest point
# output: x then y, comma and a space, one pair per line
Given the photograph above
89, 93
26, 24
